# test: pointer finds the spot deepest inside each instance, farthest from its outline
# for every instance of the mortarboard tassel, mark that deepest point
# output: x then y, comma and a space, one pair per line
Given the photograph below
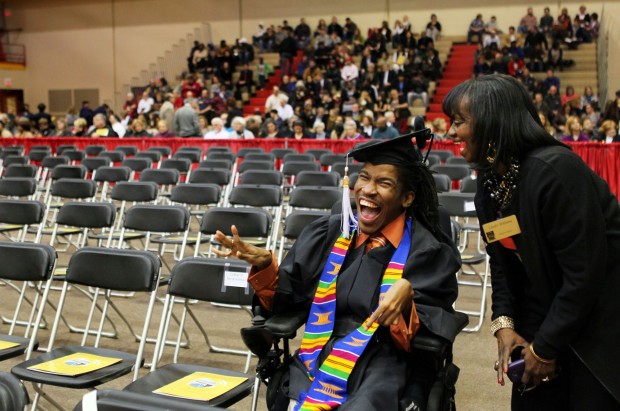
347, 211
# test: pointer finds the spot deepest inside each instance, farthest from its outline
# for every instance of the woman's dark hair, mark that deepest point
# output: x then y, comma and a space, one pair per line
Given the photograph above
416, 177
504, 122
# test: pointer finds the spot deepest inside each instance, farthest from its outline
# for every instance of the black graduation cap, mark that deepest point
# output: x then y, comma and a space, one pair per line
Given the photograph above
398, 151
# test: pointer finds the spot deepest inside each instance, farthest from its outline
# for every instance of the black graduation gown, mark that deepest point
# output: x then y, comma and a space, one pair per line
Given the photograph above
563, 291
381, 372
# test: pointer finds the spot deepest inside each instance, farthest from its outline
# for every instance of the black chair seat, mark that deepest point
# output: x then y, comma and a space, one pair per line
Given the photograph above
18, 349
114, 400
472, 258
60, 231
173, 372
88, 380
10, 227
116, 235
173, 239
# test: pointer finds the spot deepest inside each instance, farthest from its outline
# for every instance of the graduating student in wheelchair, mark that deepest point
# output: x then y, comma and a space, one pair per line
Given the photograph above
366, 293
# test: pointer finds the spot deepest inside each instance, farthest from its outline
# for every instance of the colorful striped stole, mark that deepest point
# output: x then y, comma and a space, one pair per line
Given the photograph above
329, 383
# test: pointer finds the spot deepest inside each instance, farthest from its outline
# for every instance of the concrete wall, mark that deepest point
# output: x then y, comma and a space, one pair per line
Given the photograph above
612, 23
102, 44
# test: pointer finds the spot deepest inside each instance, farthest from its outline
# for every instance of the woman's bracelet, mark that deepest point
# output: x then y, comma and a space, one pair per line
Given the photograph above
502, 322
539, 358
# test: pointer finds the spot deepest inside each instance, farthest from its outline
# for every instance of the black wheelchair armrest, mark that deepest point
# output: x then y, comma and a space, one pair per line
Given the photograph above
427, 341
285, 325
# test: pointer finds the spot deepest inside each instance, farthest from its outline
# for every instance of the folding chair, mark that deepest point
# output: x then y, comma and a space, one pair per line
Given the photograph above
255, 165
74, 156
14, 159
111, 175
182, 165
18, 187
457, 161
196, 195
442, 182
164, 151
154, 156
290, 169
49, 164
13, 394
19, 215
218, 176
190, 149
469, 185
102, 269
116, 157
443, 155
294, 225
455, 172
247, 150
94, 150
128, 151
318, 178
17, 150
263, 196
117, 400
313, 198
93, 163
33, 265
318, 152
206, 280
84, 217
339, 168
260, 157
137, 164
281, 152
218, 155
164, 178
193, 156
21, 170
219, 149
328, 160
432, 160
262, 177
224, 164
38, 154
61, 148
309, 158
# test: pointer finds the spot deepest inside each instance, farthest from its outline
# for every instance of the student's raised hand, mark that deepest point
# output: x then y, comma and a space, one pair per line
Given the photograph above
258, 257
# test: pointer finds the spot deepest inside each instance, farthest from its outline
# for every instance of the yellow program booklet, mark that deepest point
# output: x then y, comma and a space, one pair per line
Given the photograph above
75, 364
7, 344
202, 386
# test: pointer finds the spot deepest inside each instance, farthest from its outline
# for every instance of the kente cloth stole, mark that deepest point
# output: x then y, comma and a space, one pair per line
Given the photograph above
329, 383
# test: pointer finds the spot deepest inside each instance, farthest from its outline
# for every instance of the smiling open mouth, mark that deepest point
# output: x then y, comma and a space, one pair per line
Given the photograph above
368, 210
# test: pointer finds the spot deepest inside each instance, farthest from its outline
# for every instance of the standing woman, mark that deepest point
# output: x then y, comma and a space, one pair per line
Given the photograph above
552, 229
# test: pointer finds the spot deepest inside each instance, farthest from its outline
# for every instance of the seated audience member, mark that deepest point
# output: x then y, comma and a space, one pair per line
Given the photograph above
542, 115
130, 106
186, 121
245, 82
589, 129
440, 128
367, 126
563, 27
492, 25
393, 190
80, 127
551, 80
269, 129
273, 101
573, 131
4, 132
145, 104
571, 98
350, 131
24, 128
433, 28
117, 125
612, 109
163, 131
239, 130
595, 26
516, 66
555, 56
100, 127
608, 132
263, 70
319, 131
299, 131
137, 129
476, 28
491, 39
482, 66
546, 22
528, 22
204, 125
588, 97
581, 25
383, 131
590, 113
285, 110
218, 130
44, 129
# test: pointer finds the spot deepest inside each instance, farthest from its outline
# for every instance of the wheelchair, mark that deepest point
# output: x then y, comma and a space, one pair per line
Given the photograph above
432, 389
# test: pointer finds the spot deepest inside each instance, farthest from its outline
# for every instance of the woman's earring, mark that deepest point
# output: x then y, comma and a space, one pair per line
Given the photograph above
491, 153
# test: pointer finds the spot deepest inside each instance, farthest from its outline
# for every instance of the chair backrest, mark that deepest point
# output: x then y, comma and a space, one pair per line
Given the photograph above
318, 152
21, 170
161, 177
192, 149
255, 165
433, 160
469, 185
114, 156
458, 204
442, 182
74, 155
26, 262
87, 215
12, 150
192, 156
63, 147
298, 220
13, 394
94, 150
317, 178
314, 197
74, 188
61, 171
163, 150
199, 194
455, 172
353, 168
225, 164
15, 159
183, 165
93, 163
219, 149
256, 195
18, 186
53, 162
260, 157
108, 400
138, 163
113, 174
120, 270
217, 176
21, 212
264, 177
459, 161
247, 150
292, 168
331, 159
204, 279
220, 155
298, 158
281, 152
157, 218
250, 222
39, 154
154, 156
443, 154
127, 150
134, 191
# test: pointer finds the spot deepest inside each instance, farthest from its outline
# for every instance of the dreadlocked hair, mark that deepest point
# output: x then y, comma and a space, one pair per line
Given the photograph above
416, 177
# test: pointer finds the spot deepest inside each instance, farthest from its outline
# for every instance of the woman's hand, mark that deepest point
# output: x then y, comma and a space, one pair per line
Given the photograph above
394, 302
507, 341
535, 370
258, 257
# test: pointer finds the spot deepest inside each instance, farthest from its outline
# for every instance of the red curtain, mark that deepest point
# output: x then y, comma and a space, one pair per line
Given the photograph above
604, 159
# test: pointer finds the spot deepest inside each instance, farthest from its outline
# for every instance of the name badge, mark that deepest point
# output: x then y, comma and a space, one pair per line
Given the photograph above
502, 228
